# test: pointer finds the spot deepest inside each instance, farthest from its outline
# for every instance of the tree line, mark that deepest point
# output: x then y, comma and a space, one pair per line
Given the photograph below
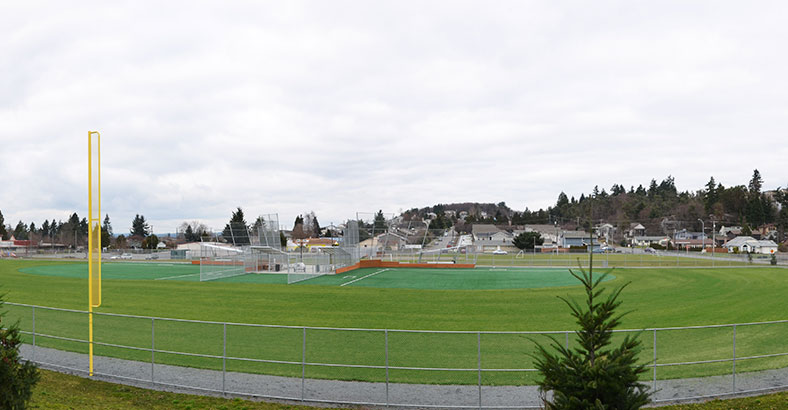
73, 232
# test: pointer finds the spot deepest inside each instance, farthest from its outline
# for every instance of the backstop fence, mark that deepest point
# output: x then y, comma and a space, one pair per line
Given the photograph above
385, 367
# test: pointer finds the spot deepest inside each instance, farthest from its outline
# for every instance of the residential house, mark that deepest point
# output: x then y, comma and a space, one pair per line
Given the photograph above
635, 229
692, 243
550, 233
729, 232
605, 230
490, 237
570, 239
685, 234
766, 247
748, 244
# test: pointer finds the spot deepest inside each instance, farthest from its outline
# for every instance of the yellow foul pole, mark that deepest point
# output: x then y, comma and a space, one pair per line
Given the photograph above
94, 233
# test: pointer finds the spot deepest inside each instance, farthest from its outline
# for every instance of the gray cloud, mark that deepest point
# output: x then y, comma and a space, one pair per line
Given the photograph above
340, 107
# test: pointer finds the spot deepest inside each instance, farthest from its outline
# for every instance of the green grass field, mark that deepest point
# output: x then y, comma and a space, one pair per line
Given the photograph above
622, 260
441, 299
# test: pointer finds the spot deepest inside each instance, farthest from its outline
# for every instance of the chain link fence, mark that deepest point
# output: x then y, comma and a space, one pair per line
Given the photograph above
385, 367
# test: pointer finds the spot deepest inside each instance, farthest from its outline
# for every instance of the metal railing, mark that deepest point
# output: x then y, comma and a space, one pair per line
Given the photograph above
179, 368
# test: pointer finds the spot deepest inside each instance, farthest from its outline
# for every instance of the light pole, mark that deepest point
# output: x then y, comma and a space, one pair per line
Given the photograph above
703, 235
713, 235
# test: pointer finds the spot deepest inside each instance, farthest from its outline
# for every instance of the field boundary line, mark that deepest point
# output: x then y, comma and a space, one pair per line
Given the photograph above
363, 277
179, 276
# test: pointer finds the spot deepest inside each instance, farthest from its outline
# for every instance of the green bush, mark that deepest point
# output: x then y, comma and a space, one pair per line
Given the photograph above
17, 378
593, 376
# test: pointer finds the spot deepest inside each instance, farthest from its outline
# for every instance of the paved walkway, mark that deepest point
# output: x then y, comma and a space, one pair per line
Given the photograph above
317, 391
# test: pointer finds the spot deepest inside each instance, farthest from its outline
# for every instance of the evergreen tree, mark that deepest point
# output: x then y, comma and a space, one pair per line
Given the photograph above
756, 182
652, 188
45, 229
236, 231
299, 220
527, 240
20, 232
106, 232
282, 239
711, 195
315, 226
594, 375
139, 227
189, 234
562, 200
380, 222
17, 378
3, 231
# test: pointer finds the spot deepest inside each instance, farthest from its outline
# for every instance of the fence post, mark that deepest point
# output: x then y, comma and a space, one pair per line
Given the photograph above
734, 358
566, 341
303, 365
33, 354
387, 366
224, 358
655, 361
479, 363
152, 347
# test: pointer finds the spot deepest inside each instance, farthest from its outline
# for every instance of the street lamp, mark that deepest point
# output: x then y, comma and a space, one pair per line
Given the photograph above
703, 235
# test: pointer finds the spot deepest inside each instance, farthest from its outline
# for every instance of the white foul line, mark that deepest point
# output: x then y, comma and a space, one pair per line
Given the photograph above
363, 277
174, 277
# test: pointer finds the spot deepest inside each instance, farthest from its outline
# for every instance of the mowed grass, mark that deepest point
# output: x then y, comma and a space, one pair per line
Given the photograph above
655, 297
622, 260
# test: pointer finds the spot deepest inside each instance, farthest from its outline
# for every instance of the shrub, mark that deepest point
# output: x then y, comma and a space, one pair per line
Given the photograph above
593, 376
17, 378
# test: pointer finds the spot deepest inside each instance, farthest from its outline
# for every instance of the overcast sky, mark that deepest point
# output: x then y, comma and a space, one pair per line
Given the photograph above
340, 107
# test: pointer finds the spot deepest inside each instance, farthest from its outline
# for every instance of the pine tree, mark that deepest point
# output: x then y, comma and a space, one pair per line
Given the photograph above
380, 222
139, 227
17, 378
189, 234
3, 231
236, 231
106, 232
593, 376
527, 240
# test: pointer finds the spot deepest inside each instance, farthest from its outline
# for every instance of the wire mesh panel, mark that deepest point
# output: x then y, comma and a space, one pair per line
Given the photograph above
266, 259
265, 231
219, 261
375, 233
350, 240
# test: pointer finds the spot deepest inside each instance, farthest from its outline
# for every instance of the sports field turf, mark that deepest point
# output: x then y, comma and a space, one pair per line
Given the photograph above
405, 278
658, 297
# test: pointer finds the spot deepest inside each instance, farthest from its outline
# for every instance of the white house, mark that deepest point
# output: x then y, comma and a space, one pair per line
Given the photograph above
766, 247
748, 244
736, 243
486, 236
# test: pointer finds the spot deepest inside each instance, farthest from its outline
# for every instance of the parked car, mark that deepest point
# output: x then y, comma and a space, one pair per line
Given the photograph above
126, 256
650, 250
499, 252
